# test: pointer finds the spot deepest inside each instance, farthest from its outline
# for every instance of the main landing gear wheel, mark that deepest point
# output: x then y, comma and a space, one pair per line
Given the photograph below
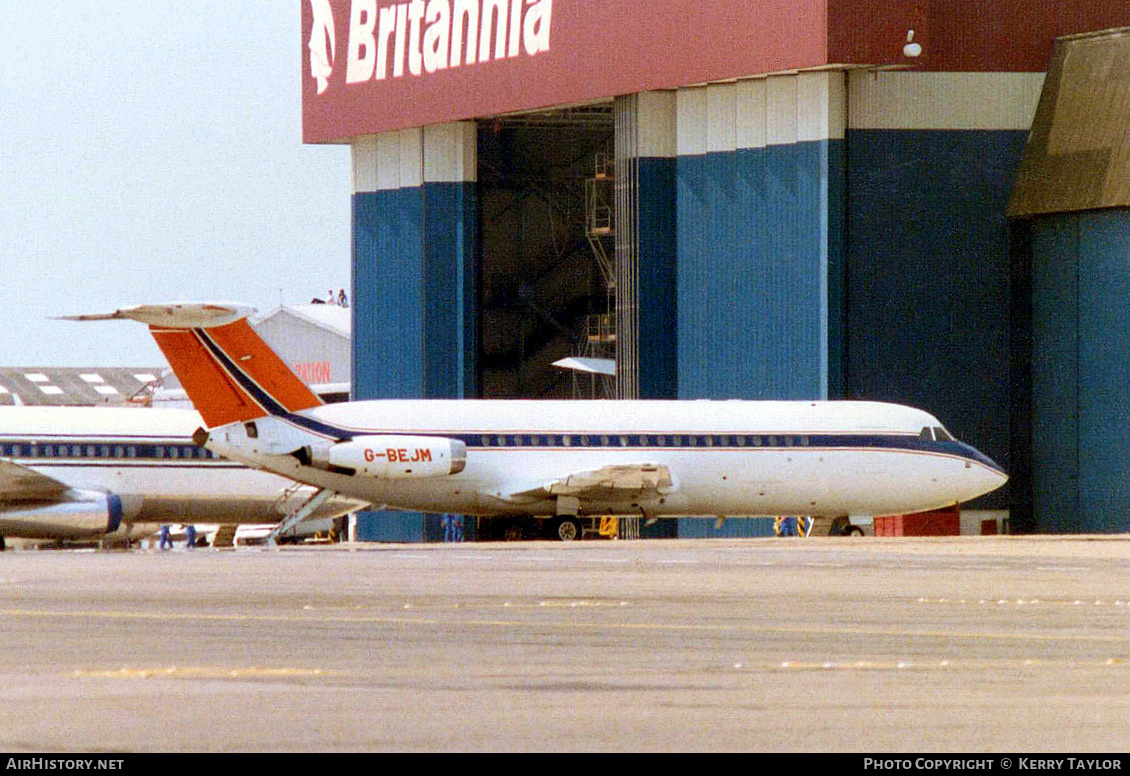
568, 530
852, 530
513, 533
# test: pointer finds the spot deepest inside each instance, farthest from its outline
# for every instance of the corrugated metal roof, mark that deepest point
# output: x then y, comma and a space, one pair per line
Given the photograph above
1078, 152
72, 386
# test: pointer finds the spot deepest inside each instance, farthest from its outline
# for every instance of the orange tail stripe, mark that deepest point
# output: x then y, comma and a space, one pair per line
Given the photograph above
218, 397
245, 348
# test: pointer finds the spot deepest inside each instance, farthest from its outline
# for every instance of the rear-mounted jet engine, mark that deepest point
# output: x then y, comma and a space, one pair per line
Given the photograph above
393, 457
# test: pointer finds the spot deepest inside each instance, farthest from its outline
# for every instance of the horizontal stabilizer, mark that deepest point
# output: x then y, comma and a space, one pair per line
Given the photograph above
225, 367
176, 315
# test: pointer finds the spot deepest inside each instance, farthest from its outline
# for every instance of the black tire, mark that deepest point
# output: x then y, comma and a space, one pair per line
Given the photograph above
567, 530
513, 532
852, 530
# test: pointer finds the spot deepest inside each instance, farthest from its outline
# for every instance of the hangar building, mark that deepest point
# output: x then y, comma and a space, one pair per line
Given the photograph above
809, 199
75, 387
314, 340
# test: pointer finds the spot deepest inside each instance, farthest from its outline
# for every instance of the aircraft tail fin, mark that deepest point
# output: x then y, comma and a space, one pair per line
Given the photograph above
227, 370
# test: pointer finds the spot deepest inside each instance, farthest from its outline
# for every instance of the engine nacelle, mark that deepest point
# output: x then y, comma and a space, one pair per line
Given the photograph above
87, 515
389, 457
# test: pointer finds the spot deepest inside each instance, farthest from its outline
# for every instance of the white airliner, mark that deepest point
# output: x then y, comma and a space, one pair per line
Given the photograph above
560, 458
71, 473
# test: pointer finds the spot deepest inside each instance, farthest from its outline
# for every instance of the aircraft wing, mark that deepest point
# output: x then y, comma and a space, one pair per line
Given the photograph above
18, 483
614, 482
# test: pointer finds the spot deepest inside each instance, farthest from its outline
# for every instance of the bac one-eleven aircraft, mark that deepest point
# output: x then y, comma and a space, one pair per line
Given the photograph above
559, 458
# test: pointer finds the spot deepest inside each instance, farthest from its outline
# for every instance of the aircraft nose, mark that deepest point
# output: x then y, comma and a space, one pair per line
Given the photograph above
996, 478
974, 456
989, 474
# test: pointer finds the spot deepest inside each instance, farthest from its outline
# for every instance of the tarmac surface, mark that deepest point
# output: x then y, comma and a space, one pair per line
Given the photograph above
970, 644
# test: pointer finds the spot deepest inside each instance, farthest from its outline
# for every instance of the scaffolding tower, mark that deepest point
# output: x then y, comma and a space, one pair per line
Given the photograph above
600, 328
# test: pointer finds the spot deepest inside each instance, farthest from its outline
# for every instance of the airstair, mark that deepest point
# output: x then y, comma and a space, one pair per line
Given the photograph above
297, 503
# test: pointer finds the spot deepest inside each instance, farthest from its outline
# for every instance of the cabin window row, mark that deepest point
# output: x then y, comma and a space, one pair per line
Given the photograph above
37, 450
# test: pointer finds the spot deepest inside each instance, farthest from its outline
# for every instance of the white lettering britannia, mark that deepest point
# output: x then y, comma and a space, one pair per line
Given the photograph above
420, 37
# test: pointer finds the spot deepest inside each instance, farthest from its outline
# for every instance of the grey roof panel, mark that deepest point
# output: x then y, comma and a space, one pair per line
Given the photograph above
71, 386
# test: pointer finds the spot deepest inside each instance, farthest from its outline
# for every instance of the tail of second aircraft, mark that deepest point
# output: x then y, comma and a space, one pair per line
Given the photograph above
228, 371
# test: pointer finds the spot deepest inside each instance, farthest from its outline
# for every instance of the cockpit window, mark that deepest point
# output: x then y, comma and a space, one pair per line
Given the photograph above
936, 433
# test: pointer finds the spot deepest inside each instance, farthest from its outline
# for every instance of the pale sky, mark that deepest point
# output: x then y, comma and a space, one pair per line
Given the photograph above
151, 151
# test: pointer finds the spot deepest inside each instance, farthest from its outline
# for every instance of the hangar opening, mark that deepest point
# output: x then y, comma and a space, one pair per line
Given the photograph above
545, 183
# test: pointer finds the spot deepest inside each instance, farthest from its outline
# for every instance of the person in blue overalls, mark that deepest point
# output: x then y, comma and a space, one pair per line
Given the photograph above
166, 543
453, 528
190, 537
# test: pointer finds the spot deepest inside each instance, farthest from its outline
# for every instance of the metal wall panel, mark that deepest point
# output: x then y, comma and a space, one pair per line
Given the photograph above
743, 527
627, 246
391, 527
946, 101
656, 281
749, 242
451, 279
759, 236
388, 294
645, 245
928, 277
451, 261
1055, 374
1104, 371
1081, 372
751, 96
415, 274
316, 352
932, 159
834, 237
415, 289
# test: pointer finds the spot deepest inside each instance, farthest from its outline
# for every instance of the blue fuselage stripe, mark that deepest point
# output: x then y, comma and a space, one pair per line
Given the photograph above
701, 443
